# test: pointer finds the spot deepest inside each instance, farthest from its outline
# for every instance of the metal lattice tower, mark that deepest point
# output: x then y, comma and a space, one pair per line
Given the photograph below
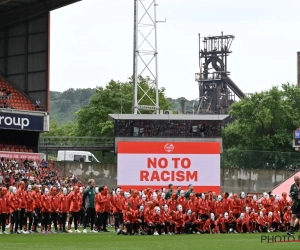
145, 57
216, 90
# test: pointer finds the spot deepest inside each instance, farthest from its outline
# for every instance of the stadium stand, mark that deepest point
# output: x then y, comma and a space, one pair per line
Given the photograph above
15, 148
11, 98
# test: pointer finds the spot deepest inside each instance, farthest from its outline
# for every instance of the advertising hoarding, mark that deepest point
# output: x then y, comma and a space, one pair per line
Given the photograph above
21, 156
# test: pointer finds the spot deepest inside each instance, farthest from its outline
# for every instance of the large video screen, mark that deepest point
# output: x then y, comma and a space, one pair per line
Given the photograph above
155, 165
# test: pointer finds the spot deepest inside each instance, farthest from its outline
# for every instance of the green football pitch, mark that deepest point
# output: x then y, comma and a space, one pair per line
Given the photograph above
110, 240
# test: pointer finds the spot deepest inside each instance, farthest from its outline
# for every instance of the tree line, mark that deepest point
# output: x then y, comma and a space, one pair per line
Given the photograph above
263, 121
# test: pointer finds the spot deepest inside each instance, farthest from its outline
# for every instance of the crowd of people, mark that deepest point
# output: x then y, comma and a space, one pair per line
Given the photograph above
167, 128
44, 207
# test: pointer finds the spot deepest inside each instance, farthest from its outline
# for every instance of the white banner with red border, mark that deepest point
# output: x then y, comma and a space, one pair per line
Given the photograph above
155, 165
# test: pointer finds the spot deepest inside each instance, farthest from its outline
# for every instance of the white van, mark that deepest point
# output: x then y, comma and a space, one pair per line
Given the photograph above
79, 156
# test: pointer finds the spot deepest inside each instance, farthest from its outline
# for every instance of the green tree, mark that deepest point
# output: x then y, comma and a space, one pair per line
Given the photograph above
263, 122
63, 105
114, 98
67, 129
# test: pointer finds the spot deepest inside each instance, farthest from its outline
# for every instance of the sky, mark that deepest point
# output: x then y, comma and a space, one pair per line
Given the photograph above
92, 42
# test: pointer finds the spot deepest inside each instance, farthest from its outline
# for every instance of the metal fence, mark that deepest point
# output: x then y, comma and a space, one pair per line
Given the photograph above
233, 158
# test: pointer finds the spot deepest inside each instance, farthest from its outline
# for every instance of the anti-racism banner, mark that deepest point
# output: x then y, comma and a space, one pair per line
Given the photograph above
157, 164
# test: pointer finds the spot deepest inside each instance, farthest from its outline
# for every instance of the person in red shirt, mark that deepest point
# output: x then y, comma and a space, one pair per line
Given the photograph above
179, 220
211, 202
167, 220
157, 221
230, 222
155, 200
21, 194
138, 224
163, 200
128, 217
249, 201
74, 204
3, 208
242, 225
276, 204
106, 196
226, 202
46, 210
29, 207
117, 208
235, 206
55, 208
220, 224
100, 201
134, 200
189, 219
193, 203
148, 216
203, 206
276, 224
181, 200
144, 200
209, 225
37, 206
14, 209
287, 217
262, 223
283, 203
63, 209
219, 206
254, 204
81, 212
172, 202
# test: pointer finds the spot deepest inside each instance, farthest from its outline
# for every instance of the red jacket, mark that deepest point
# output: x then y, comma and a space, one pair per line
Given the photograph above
74, 202
117, 203
63, 203
100, 201
13, 202
3, 205
129, 215
37, 199
107, 203
193, 205
218, 208
29, 201
21, 193
46, 201
55, 204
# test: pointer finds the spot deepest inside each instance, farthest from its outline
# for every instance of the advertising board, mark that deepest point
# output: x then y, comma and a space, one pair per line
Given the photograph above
22, 156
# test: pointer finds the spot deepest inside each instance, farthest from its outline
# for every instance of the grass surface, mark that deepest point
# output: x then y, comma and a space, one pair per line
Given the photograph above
110, 240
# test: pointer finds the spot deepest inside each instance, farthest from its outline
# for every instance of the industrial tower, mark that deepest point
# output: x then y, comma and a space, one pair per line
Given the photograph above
145, 57
216, 90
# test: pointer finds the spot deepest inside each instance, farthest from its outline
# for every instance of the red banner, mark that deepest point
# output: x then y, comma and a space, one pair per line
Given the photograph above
20, 156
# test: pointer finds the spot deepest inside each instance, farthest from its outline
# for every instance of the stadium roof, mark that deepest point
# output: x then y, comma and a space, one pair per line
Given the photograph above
12, 11
167, 117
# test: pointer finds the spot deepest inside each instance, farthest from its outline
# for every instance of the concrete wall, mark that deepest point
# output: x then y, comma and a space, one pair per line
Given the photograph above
232, 180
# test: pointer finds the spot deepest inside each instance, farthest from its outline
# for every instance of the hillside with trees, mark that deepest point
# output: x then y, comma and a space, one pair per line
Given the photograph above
261, 130
63, 105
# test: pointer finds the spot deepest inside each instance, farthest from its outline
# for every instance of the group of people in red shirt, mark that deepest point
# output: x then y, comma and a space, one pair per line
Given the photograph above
26, 208
151, 213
